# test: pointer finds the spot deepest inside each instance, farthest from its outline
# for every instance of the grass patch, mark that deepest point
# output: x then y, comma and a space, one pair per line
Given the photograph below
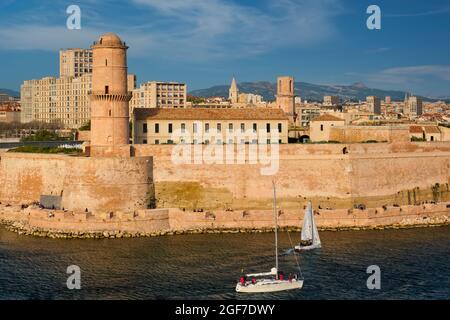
37, 149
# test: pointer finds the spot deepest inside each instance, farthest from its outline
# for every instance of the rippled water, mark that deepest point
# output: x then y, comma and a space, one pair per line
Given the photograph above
414, 264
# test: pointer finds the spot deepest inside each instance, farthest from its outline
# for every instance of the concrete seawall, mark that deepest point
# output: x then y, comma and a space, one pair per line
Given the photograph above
60, 224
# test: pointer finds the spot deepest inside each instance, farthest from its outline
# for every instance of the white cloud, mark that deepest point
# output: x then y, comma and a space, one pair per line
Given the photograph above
192, 29
405, 75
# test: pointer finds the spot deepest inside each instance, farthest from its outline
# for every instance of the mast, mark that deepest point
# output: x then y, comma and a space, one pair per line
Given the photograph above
276, 227
312, 224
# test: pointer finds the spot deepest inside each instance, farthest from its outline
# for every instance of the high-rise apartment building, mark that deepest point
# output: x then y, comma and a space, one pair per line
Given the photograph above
331, 100
374, 104
75, 62
156, 94
413, 106
62, 100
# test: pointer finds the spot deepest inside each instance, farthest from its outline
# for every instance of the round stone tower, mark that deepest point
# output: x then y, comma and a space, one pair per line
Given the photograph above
109, 98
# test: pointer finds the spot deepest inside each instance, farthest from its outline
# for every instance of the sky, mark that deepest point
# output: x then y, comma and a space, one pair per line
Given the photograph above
207, 42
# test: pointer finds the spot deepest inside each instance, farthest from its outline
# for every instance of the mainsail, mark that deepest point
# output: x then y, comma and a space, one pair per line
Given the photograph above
309, 229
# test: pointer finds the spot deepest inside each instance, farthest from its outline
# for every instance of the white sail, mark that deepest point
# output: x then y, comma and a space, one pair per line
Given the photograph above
309, 229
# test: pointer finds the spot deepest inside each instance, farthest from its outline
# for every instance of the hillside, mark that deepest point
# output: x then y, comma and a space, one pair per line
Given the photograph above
308, 91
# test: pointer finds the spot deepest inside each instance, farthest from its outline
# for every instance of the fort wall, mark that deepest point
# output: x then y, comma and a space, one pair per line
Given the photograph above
97, 184
153, 222
334, 175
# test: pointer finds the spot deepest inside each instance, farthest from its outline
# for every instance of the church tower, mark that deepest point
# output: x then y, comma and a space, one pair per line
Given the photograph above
233, 94
109, 98
285, 95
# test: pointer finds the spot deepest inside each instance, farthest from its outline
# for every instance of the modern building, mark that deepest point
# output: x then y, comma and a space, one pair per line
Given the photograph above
305, 113
75, 62
330, 101
374, 104
413, 107
7, 98
9, 112
207, 126
62, 100
156, 94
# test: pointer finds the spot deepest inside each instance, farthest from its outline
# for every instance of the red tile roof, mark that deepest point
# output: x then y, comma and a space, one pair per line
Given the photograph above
210, 114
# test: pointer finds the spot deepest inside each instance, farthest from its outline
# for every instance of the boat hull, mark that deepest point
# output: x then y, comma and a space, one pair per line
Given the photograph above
269, 286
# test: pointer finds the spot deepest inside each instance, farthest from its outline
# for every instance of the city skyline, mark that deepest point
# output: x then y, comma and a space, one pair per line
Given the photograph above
205, 43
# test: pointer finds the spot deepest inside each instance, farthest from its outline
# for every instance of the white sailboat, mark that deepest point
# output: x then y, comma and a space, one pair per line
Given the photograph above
274, 280
310, 236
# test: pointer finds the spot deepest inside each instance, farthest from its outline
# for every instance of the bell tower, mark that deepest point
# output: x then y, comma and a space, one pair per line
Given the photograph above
109, 98
285, 95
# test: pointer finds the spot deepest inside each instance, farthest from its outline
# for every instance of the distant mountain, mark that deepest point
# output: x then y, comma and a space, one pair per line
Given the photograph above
11, 93
308, 91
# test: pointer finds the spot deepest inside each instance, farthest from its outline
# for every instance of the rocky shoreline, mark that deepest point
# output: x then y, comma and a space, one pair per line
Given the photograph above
23, 228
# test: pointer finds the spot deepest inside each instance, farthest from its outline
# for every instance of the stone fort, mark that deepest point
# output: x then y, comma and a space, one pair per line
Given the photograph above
117, 176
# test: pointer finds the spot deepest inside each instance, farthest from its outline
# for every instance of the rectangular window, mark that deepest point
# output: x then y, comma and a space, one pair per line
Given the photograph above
255, 127
230, 127
144, 128
321, 127
170, 128
219, 127
144, 141
268, 127
106, 89
242, 127
280, 127
156, 141
156, 127
194, 128
183, 128
169, 141
206, 127
268, 141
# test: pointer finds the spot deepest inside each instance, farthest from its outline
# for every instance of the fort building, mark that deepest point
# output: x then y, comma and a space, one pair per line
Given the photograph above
209, 126
320, 127
110, 98
109, 178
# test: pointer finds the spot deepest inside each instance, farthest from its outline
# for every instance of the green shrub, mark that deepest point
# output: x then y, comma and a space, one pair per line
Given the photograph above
37, 149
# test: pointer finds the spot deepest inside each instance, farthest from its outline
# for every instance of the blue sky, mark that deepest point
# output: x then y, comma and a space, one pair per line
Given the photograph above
206, 42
